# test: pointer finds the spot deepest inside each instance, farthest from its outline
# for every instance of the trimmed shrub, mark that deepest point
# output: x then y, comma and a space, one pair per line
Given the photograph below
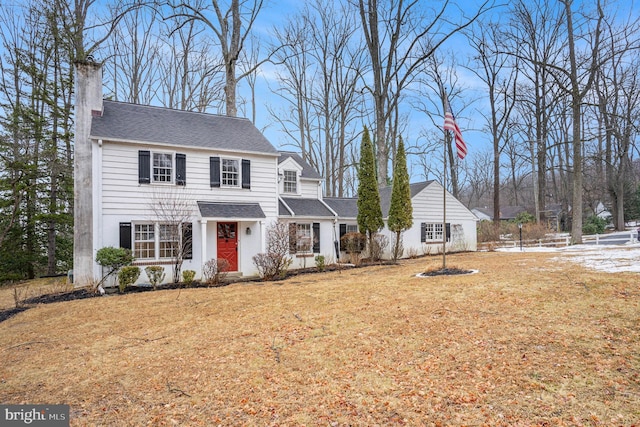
127, 276
113, 259
320, 265
155, 273
188, 276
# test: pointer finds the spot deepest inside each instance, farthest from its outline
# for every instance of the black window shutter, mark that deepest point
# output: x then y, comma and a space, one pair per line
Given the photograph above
293, 238
448, 232
343, 230
187, 240
125, 235
181, 169
423, 232
246, 173
316, 237
144, 167
214, 171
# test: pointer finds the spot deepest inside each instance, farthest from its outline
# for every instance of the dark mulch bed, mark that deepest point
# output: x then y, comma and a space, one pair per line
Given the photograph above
5, 314
46, 299
446, 272
61, 296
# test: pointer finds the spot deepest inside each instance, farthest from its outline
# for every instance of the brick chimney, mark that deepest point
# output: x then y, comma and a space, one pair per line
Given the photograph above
88, 85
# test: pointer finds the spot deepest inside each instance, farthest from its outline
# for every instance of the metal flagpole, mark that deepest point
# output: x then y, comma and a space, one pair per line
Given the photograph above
444, 206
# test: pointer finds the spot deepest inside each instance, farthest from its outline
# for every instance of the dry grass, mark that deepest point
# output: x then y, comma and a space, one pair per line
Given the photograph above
10, 295
526, 341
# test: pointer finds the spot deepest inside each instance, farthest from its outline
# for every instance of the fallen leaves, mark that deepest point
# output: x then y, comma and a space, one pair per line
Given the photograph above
498, 348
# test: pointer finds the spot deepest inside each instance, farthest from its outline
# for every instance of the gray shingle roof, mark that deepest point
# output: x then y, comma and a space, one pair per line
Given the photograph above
385, 195
307, 170
345, 207
231, 210
511, 212
305, 207
132, 122
282, 209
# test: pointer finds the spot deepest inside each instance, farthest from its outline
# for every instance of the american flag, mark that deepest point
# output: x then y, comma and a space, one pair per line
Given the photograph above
450, 124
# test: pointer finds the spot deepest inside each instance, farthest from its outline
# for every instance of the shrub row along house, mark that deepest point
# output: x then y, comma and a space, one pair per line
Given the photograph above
157, 180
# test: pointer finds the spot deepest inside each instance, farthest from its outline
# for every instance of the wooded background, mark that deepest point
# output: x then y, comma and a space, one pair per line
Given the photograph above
546, 94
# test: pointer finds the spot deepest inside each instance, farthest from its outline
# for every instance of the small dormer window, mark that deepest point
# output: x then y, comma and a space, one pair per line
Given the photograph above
290, 182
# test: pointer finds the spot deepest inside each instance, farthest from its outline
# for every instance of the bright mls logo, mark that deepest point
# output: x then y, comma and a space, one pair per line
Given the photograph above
34, 415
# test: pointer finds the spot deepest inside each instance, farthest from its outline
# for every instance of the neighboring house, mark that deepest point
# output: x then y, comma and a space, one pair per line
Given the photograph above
507, 213
483, 214
510, 213
152, 179
602, 212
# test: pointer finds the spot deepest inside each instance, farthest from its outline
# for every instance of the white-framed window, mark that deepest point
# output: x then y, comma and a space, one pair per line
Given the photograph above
352, 228
162, 167
161, 241
230, 170
433, 232
169, 239
144, 241
304, 238
290, 182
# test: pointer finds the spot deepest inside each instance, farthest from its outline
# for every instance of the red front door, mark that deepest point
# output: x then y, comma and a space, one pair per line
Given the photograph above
228, 243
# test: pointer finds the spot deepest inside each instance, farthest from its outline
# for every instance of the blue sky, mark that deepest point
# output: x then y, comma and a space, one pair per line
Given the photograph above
275, 12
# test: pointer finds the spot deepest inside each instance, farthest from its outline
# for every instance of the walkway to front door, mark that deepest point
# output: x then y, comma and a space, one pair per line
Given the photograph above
228, 243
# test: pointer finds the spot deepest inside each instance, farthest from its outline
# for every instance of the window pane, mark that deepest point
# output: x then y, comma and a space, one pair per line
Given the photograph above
144, 244
169, 239
305, 242
230, 172
162, 167
433, 232
290, 182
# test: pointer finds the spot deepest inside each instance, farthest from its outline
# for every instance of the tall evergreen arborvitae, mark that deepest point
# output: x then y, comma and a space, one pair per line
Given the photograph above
369, 210
400, 211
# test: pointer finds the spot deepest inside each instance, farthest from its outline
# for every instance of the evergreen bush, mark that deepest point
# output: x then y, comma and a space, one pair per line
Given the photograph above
127, 276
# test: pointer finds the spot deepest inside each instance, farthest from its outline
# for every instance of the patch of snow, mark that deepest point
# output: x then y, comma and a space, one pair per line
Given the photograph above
607, 258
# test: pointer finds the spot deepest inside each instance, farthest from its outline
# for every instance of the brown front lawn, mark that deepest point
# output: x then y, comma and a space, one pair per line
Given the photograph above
529, 340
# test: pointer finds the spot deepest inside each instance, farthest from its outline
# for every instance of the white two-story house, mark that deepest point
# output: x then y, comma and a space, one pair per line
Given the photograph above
151, 179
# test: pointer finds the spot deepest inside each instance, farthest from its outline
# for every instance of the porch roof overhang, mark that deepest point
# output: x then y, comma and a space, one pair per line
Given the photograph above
231, 211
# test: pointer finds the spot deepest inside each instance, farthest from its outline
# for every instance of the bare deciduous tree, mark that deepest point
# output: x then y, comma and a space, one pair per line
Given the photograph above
321, 64
400, 36
500, 74
173, 212
231, 27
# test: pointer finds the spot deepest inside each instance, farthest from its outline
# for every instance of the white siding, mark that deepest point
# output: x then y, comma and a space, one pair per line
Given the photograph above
121, 192
428, 207
123, 199
311, 189
326, 245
